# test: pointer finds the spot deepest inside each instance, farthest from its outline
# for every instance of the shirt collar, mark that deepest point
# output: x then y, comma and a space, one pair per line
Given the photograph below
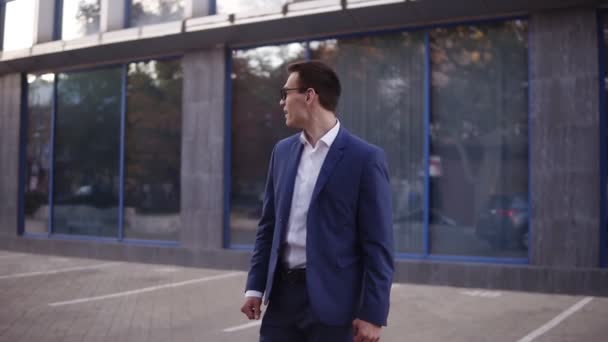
327, 139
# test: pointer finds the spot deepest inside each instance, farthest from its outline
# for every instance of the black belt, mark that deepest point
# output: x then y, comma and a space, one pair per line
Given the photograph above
293, 276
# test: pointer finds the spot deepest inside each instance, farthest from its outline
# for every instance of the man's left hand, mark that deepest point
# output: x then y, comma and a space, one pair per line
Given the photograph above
365, 331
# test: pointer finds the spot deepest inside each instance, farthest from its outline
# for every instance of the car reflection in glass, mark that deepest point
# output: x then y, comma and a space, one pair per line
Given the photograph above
503, 222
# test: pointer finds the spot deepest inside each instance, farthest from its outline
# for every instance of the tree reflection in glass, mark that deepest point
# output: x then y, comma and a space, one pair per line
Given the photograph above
87, 153
38, 146
146, 12
479, 140
80, 18
258, 123
382, 101
153, 150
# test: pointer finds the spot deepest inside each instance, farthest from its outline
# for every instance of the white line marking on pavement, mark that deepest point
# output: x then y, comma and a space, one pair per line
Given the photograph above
555, 321
146, 289
6, 256
479, 293
244, 326
61, 270
166, 270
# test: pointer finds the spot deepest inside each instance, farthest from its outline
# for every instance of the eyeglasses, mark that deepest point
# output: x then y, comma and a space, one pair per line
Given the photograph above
285, 90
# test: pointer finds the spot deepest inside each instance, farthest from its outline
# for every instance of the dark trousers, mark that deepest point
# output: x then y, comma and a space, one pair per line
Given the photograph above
289, 317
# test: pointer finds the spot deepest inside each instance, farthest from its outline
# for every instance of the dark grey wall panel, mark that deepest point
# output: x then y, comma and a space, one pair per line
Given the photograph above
565, 223
10, 100
203, 149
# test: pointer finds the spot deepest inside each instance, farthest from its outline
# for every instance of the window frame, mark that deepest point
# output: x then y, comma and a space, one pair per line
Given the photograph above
2, 16
602, 20
23, 148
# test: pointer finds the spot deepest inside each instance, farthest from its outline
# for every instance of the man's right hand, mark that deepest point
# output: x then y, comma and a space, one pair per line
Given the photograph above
251, 308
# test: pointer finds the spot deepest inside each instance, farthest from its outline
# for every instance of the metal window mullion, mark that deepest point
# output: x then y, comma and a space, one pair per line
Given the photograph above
57, 26
427, 141
227, 146
212, 7
307, 51
2, 16
530, 150
22, 155
603, 141
123, 114
128, 9
52, 155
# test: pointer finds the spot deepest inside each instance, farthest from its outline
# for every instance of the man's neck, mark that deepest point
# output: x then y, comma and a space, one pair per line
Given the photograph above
319, 128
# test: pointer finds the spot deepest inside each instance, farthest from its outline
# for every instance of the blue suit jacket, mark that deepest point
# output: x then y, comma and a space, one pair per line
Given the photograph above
349, 237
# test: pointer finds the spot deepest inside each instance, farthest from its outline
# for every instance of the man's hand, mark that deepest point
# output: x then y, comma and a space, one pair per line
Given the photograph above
365, 331
251, 308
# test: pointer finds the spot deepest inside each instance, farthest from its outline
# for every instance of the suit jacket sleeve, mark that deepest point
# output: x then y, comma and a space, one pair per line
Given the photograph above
375, 228
256, 279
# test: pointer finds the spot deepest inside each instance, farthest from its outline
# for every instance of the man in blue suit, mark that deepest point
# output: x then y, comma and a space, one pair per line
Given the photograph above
323, 254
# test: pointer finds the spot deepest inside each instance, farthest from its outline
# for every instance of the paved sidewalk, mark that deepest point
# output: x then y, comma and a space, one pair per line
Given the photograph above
46, 298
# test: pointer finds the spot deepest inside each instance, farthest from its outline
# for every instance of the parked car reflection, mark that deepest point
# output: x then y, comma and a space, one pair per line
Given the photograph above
504, 222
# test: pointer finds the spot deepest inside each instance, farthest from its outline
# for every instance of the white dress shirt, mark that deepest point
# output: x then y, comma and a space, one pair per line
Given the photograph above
294, 255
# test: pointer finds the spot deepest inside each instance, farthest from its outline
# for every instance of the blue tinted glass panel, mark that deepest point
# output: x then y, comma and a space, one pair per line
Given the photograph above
382, 101
479, 140
38, 153
152, 151
87, 153
258, 122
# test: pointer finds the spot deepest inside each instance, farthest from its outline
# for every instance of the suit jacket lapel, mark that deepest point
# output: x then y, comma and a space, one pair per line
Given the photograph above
336, 151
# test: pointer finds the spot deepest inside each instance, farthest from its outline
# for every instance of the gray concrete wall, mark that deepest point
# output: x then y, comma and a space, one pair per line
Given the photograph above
112, 16
10, 101
44, 17
565, 141
203, 149
196, 8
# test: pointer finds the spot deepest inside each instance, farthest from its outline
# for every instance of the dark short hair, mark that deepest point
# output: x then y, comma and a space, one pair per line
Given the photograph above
320, 77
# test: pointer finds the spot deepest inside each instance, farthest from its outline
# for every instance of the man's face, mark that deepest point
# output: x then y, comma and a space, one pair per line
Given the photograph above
294, 106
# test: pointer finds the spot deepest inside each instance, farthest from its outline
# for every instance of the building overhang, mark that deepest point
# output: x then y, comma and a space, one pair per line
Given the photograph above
293, 22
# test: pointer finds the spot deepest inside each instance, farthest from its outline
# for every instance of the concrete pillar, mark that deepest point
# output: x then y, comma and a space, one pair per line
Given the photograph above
565, 139
202, 173
196, 8
112, 16
44, 21
10, 102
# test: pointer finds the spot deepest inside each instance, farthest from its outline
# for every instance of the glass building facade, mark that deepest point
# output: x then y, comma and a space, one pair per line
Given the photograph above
448, 105
104, 152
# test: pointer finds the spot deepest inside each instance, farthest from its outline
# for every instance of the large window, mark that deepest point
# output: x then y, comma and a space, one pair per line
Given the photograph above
479, 139
81, 160
79, 18
152, 150
37, 163
18, 25
145, 12
244, 6
257, 124
87, 153
383, 103
448, 105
